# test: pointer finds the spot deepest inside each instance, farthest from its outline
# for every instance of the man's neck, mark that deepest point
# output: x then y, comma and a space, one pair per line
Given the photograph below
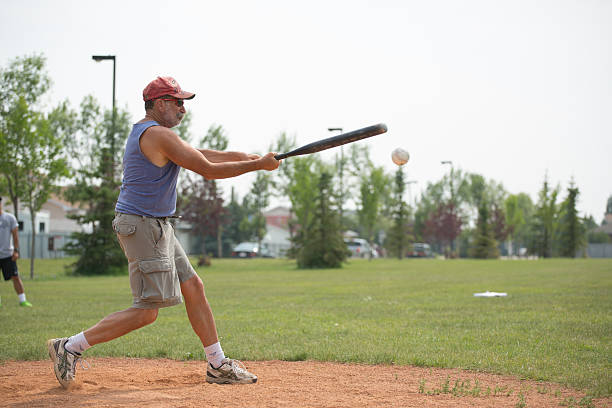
150, 117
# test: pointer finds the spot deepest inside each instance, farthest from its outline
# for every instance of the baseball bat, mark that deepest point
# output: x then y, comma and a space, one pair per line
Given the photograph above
334, 141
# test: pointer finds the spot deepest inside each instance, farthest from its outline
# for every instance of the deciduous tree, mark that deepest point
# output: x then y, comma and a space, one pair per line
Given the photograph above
31, 142
216, 139
374, 187
202, 206
443, 224
22, 84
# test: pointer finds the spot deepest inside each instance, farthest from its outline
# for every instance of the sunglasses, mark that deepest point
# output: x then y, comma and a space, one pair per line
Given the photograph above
179, 102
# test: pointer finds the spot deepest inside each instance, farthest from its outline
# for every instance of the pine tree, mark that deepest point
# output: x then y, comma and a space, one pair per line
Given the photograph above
543, 223
97, 187
485, 245
399, 236
322, 245
571, 230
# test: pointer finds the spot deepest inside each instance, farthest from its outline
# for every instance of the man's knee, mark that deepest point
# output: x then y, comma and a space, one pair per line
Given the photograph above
146, 316
193, 289
193, 283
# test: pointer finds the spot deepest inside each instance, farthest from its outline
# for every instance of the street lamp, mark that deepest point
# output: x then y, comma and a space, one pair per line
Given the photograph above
99, 58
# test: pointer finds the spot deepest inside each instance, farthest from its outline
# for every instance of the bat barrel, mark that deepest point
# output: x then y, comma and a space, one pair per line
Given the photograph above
335, 141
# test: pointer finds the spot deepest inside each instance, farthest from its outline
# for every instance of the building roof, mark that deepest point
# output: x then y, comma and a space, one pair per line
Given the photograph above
607, 228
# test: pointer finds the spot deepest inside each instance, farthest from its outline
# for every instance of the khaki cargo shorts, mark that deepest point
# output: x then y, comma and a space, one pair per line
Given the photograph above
157, 262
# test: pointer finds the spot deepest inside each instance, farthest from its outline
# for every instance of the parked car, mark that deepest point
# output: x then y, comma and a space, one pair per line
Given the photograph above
360, 248
250, 250
420, 250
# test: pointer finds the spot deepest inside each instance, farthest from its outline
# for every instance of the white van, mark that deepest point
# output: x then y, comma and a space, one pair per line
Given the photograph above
360, 248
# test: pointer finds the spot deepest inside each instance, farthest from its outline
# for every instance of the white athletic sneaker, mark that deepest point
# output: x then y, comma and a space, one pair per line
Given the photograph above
64, 361
230, 372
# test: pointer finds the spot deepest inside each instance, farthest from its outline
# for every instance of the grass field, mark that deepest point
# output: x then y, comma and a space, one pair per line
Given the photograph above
555, 325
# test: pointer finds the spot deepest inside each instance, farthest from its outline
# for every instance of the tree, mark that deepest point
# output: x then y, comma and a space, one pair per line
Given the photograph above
498, 223
216, 139
374, 186
21, 86
41, 156
301, 188
522, 230
543, 223
399, 236
443, 224
430, 199
32, 142
235, 231
259, 199
322, 245
485, 245
96, 188
282, 178
571, 230
202, 206
514, 219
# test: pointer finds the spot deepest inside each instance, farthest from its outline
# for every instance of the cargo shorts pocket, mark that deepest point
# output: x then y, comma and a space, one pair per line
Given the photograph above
124, 229
159, 280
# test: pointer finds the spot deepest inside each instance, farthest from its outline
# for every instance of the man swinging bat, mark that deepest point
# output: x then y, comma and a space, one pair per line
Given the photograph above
159, 269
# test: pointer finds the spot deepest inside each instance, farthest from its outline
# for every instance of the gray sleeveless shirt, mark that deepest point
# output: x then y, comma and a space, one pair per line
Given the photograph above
146, 189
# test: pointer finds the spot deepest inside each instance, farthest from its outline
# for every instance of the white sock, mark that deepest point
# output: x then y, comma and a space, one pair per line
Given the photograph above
77, 343
21, 297
214, 354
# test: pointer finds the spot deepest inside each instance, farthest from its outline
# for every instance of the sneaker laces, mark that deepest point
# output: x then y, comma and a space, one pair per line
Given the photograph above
238, 366
84, 364
77, 358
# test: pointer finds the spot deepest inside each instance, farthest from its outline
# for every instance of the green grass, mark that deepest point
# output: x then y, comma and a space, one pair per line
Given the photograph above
555, 325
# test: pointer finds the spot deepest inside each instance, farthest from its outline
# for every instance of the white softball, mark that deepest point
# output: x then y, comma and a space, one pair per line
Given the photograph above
400, 156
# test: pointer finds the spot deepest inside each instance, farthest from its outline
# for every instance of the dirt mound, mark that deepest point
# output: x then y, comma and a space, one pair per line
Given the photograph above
112, 382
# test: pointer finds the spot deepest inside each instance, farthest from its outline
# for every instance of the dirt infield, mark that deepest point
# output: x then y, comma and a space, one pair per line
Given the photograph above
112, 382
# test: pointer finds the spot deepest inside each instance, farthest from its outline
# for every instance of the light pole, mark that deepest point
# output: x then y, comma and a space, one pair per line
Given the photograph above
99, 58
451, 179
339, 129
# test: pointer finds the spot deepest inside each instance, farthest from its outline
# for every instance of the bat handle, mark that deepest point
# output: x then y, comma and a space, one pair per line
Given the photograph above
280, 156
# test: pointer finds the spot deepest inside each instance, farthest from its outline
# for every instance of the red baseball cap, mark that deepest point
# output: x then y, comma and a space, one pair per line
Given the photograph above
165, 86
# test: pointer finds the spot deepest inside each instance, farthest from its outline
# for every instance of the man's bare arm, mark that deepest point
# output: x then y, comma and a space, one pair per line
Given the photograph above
216, 156
184, 155
15, 243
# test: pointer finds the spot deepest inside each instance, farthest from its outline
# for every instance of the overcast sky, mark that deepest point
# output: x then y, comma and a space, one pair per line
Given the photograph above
507, 89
